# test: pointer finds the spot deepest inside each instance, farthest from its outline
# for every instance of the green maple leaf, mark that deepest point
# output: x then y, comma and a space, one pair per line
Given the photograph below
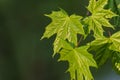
65, 27
99, 17
104, 47
79, 61
102, 53
115, 46
95, 6
99, 41
100, 47
115, 39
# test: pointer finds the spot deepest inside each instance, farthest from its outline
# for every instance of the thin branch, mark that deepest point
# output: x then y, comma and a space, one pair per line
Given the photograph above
79, 41
81, 37
88, 13
109, 33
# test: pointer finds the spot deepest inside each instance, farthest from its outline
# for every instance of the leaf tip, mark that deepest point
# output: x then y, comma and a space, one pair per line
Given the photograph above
42, 38
63, 11
53, 55
46, 15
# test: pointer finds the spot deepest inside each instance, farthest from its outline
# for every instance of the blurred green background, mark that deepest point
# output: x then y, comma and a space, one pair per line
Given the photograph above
23, 56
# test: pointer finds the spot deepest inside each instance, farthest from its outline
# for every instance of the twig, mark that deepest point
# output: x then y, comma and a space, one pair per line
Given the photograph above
79, 41
88, 13
109, 33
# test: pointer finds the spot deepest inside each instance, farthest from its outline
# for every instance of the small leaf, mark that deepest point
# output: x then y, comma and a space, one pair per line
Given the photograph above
115, 38
94, 25
79, 61
102, 53
100, 17
65, 27
95, 6
100, 47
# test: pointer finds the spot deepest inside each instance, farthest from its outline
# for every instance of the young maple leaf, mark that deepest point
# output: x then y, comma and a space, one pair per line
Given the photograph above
105, 47
115, 46
79, 61
100, 46
115, 39
65, 27
99, 17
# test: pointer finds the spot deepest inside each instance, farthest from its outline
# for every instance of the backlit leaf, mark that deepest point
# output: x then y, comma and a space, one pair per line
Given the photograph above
115, 38
65, 27
79, 62
99, 17
102, 53
100, 47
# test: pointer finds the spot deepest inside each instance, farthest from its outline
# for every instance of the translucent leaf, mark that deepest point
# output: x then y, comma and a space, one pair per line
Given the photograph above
79, 62
65, 27
100, 47
95, 6
102, 53
100, 17
104, 47
115, 38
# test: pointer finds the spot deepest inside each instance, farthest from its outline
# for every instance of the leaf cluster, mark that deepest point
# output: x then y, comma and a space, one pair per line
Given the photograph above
93, 54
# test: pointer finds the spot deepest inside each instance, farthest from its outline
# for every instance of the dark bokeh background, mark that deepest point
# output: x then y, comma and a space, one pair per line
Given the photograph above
22, 55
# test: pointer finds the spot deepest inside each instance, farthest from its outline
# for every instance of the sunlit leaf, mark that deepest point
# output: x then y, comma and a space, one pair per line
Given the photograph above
115, 38
65, 27
99, 17
100, 47
102, 53
79, 62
